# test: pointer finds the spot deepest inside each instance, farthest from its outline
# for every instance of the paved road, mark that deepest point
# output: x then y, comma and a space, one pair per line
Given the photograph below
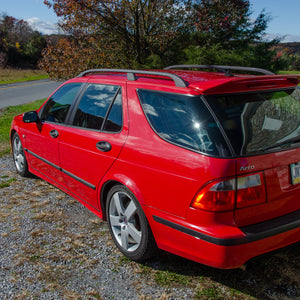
20, 93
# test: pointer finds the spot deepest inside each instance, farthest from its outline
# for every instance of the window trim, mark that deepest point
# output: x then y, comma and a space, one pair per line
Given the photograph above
109, 109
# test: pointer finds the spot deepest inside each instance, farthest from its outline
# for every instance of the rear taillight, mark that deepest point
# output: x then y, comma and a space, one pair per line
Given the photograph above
216, 196
250, 190
232, 193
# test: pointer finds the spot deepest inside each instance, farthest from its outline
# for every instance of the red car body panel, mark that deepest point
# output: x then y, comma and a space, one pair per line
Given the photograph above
224, 257
166, 178
39, 141
283, 197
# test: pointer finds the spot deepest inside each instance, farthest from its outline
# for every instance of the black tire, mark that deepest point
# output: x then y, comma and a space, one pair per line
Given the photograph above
19, 156
128, 225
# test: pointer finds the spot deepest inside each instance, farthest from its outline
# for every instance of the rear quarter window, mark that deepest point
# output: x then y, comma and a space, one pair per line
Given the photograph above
184, 121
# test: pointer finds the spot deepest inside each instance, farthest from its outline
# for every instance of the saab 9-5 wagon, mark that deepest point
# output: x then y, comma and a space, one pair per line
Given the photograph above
199, 162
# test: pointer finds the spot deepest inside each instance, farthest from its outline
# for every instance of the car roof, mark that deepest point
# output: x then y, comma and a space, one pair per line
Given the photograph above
202, 81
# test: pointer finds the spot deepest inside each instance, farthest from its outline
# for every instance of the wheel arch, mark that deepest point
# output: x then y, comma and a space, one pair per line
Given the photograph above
107, 186
118, 180
12, 133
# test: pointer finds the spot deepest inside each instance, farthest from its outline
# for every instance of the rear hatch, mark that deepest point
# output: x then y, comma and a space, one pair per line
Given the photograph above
263, 130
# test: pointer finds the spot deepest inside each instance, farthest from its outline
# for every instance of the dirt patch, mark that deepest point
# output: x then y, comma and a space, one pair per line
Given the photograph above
51, 247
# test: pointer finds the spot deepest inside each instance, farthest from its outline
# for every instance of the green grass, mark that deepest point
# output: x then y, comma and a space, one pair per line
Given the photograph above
167, 278
15, 75
211, 293
6, 116
6, 183
289, 72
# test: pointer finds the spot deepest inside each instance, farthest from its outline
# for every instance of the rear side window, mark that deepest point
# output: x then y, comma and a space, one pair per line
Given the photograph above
100, 108
114, 119
257, 122
57, 107
184, 121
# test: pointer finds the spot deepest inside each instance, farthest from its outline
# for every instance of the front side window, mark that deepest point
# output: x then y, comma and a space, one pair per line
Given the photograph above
100, 108
257, 122
57, 107
184, 121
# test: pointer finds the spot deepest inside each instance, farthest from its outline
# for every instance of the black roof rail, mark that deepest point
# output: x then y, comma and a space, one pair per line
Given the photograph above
224, 69
131, 74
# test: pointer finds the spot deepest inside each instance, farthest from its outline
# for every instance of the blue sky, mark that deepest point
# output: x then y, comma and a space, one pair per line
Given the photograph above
285, 15
38, 15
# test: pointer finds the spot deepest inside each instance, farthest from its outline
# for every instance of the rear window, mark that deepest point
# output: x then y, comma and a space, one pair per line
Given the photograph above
184, 121
258, 122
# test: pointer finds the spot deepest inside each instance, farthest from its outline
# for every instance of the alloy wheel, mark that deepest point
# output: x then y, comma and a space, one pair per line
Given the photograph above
125, 221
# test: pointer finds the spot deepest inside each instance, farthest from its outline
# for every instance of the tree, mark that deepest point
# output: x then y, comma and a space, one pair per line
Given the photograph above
153, 33
20, 45
228, 22
225, 33
137, 28
69, 56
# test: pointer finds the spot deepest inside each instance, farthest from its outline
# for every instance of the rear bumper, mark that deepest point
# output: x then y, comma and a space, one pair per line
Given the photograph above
225, 252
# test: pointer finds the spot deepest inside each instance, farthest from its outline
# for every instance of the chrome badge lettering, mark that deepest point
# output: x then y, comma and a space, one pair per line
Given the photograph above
247, 168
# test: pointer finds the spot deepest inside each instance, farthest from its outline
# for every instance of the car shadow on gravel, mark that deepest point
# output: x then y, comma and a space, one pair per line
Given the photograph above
275, 275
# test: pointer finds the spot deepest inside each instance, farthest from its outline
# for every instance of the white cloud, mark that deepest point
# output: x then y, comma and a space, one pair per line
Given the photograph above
42, 26
287, 38
290, 38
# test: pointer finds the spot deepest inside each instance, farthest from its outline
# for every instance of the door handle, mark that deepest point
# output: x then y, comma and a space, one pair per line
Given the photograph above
103, 146
54, 133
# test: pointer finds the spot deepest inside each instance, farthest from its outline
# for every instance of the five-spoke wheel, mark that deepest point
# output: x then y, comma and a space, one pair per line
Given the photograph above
19, 156
128, 225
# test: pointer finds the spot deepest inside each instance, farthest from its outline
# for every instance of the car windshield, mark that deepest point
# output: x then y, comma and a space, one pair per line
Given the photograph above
257, 122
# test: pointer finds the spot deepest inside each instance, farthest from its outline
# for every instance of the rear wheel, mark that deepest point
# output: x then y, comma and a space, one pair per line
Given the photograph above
128, 225
19, 156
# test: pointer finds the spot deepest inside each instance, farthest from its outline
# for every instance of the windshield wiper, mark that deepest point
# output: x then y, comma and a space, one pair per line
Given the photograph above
284, 143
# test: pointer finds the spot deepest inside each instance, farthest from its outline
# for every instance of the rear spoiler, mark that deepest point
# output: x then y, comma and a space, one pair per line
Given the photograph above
248, 84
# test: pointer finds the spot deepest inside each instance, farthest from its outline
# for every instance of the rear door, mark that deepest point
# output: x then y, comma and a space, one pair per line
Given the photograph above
93, 139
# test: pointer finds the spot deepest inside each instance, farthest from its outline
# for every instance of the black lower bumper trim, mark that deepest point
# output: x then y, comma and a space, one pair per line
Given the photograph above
252, 233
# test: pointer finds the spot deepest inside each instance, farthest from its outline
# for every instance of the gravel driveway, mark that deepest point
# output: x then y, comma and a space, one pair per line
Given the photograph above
52, 247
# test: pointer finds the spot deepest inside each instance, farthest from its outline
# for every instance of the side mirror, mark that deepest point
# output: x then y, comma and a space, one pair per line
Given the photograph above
30, 117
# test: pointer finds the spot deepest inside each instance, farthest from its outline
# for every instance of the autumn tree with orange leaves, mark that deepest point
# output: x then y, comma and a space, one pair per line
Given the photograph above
114, 33
138, 33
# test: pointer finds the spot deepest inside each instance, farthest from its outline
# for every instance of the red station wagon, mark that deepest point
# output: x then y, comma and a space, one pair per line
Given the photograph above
203, 164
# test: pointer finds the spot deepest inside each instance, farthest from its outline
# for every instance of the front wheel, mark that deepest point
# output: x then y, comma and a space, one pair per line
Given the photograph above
19, 156
128, 225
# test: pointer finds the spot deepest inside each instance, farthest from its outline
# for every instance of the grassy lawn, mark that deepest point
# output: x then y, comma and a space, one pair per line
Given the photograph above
289, 72
15, 75
6, 116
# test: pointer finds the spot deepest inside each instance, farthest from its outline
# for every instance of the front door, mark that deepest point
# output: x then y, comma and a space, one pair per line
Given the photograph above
94, 139
42, 138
